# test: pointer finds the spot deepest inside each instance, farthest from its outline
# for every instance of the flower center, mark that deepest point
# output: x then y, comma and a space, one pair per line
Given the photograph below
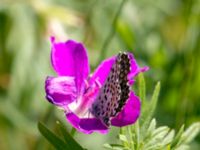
86, 99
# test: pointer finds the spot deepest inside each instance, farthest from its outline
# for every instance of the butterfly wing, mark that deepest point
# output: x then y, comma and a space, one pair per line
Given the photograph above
115, 91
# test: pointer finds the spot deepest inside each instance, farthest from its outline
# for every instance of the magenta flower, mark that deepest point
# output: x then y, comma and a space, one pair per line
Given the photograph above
93, 102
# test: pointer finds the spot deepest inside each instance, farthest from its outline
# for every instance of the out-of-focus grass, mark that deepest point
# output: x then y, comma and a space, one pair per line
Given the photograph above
164, 35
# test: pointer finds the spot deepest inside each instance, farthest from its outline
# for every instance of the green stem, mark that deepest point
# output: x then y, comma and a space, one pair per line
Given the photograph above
131, 138
137, 131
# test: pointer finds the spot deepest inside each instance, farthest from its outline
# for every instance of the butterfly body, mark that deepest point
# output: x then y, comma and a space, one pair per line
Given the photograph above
115, 92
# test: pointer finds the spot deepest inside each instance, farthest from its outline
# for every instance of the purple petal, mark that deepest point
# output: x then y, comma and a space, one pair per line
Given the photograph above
135, 69
103, 70
130, 112
70, 59
86, 125
60, 90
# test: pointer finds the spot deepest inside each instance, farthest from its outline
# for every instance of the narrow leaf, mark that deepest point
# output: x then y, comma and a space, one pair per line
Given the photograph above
113, 146
183, 147
148, 112
68, 138
191, 133
177, 137
52, 138
168, 138
123, 138
142, 95
154, 99
142, 87
152, 126
161, 131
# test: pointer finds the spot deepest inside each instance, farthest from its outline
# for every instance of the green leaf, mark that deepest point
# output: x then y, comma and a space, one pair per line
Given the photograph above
152, 126
156, 140
142, 95
183, 147
168, 138
161, 132
68, 138
148, 111
52, 138
123, 138
177, 137
142, 87
154, 99
113, 146
190, 133
148, 133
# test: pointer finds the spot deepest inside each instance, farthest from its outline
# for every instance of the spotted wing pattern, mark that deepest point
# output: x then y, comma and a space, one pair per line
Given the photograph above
115, 91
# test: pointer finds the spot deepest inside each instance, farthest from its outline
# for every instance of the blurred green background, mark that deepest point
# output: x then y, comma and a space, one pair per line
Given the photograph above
165, 35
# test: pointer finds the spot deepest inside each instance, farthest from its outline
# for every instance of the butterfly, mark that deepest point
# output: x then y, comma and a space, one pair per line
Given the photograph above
115, 91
